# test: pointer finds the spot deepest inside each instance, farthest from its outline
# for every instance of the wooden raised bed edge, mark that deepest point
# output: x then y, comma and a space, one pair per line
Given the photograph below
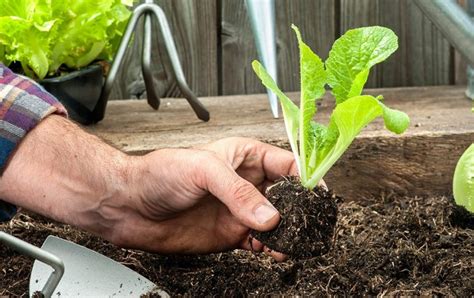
420, 162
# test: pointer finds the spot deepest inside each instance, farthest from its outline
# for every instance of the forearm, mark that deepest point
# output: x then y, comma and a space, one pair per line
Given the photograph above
66, 174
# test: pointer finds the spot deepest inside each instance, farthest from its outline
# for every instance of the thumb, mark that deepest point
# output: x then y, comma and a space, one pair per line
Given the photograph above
241, 197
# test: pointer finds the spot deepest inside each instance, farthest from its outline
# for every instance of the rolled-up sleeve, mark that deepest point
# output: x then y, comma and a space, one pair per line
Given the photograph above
24, 103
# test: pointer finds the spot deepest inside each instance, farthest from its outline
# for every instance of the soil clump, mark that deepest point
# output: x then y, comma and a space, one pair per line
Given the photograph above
308, 219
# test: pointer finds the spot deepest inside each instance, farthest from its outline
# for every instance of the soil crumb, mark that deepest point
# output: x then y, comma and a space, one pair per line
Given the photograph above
388, 246
308, 219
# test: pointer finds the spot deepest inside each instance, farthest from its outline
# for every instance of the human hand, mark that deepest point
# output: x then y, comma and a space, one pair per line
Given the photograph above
203, 200
170, 201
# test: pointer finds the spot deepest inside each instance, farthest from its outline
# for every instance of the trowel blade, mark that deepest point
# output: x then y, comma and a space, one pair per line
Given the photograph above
88, 273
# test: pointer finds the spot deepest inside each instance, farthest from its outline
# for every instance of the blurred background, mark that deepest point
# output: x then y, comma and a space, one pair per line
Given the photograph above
216, 46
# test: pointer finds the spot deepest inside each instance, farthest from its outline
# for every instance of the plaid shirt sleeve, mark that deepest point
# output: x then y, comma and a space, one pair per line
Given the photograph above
23, 105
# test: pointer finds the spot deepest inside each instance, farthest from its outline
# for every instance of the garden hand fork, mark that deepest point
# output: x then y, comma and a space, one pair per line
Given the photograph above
148, 10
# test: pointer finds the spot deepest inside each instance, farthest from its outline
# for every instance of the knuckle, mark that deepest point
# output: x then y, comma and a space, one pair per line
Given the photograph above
203, 157
208, 159
239, 140
233, 139
203, 165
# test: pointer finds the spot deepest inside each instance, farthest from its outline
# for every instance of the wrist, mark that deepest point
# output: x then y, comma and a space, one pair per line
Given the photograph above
124, 212
114, 198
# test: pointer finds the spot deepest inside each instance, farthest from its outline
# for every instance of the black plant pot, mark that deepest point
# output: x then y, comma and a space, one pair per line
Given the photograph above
79, 92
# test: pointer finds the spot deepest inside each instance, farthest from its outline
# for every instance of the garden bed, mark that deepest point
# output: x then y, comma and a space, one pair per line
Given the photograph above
389, 246
397, 232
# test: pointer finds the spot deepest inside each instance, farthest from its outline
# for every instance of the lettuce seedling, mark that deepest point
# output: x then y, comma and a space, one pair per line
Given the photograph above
317, 147
463, 181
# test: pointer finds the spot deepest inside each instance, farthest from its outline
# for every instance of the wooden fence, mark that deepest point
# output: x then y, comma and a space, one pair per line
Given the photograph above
216, 45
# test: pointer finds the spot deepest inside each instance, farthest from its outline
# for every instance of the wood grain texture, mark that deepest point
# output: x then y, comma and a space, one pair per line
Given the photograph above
460, 75
194, 28
424, 57
460, 66
315, 18
420, 162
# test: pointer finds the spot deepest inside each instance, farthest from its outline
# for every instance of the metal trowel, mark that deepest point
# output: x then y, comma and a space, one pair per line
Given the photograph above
63, 268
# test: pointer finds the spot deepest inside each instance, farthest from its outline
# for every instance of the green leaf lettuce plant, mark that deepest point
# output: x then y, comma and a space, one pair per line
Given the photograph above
463, 181
44, 34
317, 147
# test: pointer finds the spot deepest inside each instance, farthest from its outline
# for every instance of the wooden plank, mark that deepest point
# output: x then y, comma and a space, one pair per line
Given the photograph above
420, 162
433, 61
316, 21
194, 28
460, 74
424, 57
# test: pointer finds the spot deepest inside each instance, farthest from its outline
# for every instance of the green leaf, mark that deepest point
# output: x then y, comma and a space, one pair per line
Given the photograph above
463, 181
358, 83
353, 54
20, 8
2, 55
313, 80
322, 136
395, 121
290, 110
23, 42
347, 120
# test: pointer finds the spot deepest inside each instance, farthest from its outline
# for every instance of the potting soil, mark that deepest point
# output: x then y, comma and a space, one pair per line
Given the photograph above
387, 246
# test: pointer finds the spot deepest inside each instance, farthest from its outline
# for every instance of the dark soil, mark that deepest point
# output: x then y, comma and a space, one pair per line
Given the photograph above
308, 219
391, 246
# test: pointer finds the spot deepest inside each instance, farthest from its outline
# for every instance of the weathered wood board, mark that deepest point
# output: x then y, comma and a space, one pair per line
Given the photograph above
460, 63
316, 20
424, 56
420, 162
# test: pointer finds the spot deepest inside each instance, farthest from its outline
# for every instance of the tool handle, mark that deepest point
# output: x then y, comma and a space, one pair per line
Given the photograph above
40, 255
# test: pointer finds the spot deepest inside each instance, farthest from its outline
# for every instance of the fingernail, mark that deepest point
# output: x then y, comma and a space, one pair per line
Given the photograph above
264, 213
